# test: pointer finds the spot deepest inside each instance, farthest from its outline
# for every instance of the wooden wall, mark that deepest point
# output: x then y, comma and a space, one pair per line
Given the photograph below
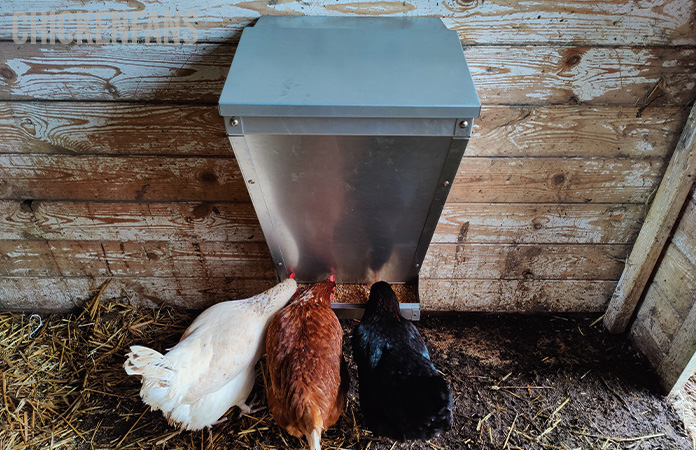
114, 162
665, 325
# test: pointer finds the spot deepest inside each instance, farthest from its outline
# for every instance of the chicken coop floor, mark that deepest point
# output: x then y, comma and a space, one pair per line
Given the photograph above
519, 382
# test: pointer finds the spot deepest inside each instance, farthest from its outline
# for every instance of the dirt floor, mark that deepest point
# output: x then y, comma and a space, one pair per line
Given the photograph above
519, 382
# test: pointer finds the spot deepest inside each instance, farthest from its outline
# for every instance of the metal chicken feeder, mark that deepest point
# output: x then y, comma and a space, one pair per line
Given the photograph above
349, 132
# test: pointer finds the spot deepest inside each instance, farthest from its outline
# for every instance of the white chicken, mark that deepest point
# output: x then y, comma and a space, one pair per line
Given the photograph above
211, 369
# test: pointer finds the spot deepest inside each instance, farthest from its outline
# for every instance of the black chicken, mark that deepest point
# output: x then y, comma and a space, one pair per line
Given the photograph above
402, 395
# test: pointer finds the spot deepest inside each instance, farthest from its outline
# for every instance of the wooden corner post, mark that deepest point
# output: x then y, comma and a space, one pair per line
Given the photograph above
668, 202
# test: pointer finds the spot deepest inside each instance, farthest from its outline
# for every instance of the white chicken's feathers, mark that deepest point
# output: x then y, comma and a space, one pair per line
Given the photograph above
212, 367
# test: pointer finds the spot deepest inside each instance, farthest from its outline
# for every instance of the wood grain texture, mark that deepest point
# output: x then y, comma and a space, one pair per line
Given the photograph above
592, 75
135, 259
680, 356
175, 72
532, 296
60, 177
668, 203
676, 278
683, 237
524, 262
112, 128
659, 317
563, 180
644, 341
522, 223
41, 295
616, 22
196, 73
112, 221
576, 131
190, 130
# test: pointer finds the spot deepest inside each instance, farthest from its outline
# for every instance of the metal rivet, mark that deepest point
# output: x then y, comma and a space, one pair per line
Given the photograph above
280, 264
463, 124
234, 121
445, 184
417, 265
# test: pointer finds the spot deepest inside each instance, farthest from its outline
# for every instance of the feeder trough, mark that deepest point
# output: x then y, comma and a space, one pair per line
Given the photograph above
348, 132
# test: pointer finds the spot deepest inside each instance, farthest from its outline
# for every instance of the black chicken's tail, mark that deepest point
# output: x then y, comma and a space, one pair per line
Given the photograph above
431, 406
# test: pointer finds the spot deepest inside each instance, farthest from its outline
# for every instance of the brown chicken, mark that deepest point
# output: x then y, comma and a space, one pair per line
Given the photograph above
308, 376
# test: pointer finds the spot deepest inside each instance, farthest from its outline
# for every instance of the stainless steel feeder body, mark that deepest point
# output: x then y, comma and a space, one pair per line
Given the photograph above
349, 132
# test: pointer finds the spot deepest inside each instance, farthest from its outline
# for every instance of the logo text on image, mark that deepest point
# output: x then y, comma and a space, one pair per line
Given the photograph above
66, 27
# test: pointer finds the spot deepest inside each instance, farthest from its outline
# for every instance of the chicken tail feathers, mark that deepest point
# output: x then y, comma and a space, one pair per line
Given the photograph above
156, 371
314, 439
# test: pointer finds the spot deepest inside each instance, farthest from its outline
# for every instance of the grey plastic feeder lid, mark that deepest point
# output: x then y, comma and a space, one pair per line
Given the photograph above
349, 67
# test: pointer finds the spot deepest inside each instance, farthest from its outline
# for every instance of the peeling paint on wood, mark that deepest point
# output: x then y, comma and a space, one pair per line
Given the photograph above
196, 72
616, 22
592, 75
575, 131
114, 72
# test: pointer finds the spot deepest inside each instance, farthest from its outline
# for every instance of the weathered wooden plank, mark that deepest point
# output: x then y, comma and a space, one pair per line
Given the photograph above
576, 131
183, 72
563, 180
512, 131
593, 75
679, 363
538, 223
196, 72
643, 339
112, 128
531, 296
99, 221
63, 294
135, 259
683, 237
665, 209
524, 262
616, 22
67, 177
659, 317
676, 278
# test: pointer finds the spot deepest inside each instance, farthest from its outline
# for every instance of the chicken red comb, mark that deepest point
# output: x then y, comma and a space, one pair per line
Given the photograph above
292, 275
332, 278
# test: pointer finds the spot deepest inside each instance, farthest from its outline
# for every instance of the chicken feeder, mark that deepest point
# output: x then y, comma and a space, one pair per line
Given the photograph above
348, 132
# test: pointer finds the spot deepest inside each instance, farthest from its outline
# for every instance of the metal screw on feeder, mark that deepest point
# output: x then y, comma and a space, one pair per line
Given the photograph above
463, 124
234, 121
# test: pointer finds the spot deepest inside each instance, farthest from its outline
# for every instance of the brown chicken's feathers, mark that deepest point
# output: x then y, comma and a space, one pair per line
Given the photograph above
308, 380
